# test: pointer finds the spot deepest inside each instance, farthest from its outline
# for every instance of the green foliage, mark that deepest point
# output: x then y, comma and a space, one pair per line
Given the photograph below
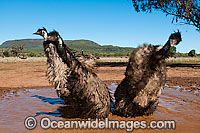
32, 54
6, 53
192, 53
28, 43
17, 49
34, 47
181, 54
172, 51
186, 10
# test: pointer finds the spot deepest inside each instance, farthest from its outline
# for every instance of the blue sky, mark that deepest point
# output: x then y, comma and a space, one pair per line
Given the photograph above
106, 22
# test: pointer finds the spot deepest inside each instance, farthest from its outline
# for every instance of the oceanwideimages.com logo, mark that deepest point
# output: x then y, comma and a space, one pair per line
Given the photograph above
46, 123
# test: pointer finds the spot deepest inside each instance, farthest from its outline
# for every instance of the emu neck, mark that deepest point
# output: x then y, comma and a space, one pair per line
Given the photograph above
66, 54
165, 50
60, 41
45, 36
160, 55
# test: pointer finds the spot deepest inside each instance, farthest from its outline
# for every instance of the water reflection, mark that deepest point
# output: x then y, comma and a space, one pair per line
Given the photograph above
52, 101
175, 104
112, 88
54, 113
64, 110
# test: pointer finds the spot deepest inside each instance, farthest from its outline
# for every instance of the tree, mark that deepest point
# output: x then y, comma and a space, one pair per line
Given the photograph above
192, 53
6, 53
186, 10
172, 51
16, 49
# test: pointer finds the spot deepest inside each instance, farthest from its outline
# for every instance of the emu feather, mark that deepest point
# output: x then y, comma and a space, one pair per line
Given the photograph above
75, 82
139, 91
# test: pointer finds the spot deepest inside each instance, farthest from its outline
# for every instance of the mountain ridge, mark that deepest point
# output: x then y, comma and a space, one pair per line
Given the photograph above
87, 46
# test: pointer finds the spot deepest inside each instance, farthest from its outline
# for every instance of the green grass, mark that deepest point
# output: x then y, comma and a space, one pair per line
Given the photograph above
110, 62
184, 62
170, 62
4, 69
9, 62
34, 47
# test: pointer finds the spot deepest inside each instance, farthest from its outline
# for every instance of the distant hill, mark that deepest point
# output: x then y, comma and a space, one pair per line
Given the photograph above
36, 45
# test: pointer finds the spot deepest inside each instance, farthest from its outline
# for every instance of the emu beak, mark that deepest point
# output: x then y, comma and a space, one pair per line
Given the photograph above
36, 33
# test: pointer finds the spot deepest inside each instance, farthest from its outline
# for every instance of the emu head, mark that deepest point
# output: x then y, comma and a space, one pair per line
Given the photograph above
54, 36
42, 32
175, 38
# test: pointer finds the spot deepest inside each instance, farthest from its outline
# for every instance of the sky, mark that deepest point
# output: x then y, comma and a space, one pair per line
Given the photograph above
107, 22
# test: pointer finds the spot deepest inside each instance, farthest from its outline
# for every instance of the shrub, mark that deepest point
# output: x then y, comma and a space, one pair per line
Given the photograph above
6, 54
192, 53
32, 54
172, 51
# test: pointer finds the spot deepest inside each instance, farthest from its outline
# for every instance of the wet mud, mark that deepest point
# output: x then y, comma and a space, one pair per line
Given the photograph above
176, 103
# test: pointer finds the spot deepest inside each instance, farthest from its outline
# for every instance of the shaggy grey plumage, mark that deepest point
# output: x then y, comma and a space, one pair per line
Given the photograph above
56, 68
88, 60
139, 91
80, 86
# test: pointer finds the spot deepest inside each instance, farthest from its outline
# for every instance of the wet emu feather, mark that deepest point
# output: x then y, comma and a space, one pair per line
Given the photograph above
56, 68
77, 84
139, 91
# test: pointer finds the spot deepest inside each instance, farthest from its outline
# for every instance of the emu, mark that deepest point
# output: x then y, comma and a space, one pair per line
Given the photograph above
139, 91
80, 86
56, 68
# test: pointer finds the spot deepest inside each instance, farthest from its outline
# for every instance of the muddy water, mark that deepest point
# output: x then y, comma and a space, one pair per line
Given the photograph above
16, 105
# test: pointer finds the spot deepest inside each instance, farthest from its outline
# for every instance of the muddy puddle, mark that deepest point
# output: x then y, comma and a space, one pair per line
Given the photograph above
16, 105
